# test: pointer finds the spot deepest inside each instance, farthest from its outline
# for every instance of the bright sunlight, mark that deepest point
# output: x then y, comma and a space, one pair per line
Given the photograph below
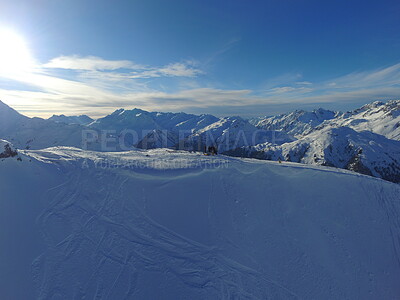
14, 53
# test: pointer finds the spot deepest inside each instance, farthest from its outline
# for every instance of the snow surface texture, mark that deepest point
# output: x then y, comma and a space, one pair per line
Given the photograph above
158, 224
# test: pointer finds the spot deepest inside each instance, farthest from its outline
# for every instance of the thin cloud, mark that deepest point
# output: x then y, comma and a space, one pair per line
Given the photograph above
121, 69
101, 86
225, 48
88, 63
303, 83
283, 89
379, 77
179, 69
382, 82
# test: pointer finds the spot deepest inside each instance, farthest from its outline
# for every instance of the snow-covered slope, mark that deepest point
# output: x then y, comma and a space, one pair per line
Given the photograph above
231, 133
378, 117
296, 123
174, 225
159, 139
121, 119
363, 152
144, 122
9, 118
36, 133
82, 119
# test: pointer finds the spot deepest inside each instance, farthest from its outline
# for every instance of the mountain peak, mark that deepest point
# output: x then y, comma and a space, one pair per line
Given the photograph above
81, 119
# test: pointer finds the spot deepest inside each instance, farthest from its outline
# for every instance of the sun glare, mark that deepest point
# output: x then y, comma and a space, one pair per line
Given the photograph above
14, 53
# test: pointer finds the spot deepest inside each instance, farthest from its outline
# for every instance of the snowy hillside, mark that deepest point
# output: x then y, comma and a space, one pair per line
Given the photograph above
164, 224
82, 119
231, 133
159, 139
36, 133
144, 122
378, 117
9, 119
363, 152
296, 123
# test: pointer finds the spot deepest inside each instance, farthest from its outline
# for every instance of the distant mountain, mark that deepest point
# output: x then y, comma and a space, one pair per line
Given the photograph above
159, 139
36, 133
82, 119
9, 118
365, 140
121, 119
233, 132
296, 123
378, 117
363, 152
144, 122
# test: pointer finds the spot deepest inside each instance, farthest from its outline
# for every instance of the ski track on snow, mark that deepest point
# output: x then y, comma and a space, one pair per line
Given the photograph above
110, 242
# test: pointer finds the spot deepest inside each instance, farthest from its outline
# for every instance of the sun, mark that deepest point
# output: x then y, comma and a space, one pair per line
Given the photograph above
14, 53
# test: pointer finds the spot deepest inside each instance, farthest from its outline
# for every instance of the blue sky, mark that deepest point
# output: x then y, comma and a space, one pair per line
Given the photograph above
245, 58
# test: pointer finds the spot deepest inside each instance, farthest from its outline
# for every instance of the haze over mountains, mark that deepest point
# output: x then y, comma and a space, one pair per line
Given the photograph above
366, 140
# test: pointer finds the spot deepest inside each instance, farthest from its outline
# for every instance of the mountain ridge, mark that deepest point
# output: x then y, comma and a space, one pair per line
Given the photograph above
280, 135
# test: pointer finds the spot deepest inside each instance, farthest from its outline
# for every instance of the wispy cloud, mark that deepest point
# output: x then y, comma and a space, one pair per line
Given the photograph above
368, 79
225, 48
290, 90
97, 86
121, 69
89, 63
379, 83
303, 83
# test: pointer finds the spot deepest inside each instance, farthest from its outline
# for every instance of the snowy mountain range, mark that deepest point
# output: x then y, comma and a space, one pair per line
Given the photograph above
363, 152
82, 119
365, 140
170, 224
297, 123
36, 133
378, 117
